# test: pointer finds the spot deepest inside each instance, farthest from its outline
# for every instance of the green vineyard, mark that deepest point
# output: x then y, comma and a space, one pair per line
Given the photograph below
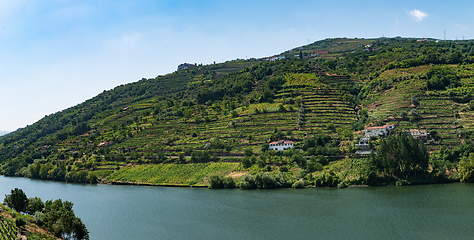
8, 230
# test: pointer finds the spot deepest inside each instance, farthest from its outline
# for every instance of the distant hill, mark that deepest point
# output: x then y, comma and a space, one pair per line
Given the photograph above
3, 133
320, 96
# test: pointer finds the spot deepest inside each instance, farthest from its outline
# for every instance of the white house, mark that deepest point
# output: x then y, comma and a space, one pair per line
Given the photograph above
363, 143
378, 130
280, 145
419, 134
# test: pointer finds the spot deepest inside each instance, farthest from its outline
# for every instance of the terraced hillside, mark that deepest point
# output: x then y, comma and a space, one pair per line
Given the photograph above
227, 113
436, 110
247, 126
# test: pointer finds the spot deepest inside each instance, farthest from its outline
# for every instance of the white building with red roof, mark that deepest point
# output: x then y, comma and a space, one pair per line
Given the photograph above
281, 145
378, 130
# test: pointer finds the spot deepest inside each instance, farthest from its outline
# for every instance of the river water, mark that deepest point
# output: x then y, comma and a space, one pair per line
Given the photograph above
443, 211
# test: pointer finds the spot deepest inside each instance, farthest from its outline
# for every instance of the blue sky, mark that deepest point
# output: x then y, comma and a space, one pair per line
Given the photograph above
56, 54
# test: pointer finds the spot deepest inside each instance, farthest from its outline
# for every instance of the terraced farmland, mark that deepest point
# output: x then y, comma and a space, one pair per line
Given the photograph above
249, 126
436, 110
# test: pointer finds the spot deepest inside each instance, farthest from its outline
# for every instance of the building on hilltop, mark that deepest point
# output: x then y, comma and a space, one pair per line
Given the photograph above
185, 66
281, 145
272, 58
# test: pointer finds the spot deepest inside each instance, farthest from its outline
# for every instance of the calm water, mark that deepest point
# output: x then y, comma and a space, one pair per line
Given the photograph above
136, 212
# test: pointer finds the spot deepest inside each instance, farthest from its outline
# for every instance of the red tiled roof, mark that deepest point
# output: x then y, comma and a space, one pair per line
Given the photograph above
282, 141
377, 127
381, 127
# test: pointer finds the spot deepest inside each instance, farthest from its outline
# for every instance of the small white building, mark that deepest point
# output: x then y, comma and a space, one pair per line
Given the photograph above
419, 134
363, 143
281, 145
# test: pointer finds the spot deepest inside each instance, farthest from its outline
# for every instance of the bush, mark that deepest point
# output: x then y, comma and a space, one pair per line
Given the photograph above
298, 184
39, 218
216, 182
20, 221
247, 182
342, 184
229, 182
93, 178
402, 182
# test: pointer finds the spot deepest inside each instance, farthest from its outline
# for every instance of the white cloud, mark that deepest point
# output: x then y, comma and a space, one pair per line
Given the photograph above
419, 15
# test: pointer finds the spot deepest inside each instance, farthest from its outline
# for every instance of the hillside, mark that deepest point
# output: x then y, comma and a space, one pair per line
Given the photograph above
181, 128
9, 231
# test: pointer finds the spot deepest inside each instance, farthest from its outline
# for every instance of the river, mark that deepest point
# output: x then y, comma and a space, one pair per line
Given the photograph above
442, 211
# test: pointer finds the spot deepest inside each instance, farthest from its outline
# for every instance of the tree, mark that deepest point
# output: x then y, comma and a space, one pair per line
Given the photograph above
61, 220
215, 182
402, 156
415, 101
35, 204
466, 168
281, 108
248, 152
264, 147
93, 178
403, 114
16, 199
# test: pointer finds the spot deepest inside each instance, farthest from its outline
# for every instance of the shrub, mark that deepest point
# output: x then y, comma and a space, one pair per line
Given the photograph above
402, 182
342, 184
39, 218
20, 221
246, 163
247, 182
216, 182
229, 182
298, 184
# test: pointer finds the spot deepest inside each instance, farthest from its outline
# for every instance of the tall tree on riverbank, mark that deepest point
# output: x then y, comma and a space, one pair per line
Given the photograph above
402, 156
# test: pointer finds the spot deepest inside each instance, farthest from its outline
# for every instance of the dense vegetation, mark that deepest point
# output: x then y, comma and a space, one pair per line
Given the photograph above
56, 216
202, 125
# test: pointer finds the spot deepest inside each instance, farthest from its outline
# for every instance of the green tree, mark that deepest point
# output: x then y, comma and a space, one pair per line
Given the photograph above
466, 168
229, 182
248, 152
61, 220
35, 204
16, 199
403, 114
215, 182
415, 101
93, 178
264, 147
402, 156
